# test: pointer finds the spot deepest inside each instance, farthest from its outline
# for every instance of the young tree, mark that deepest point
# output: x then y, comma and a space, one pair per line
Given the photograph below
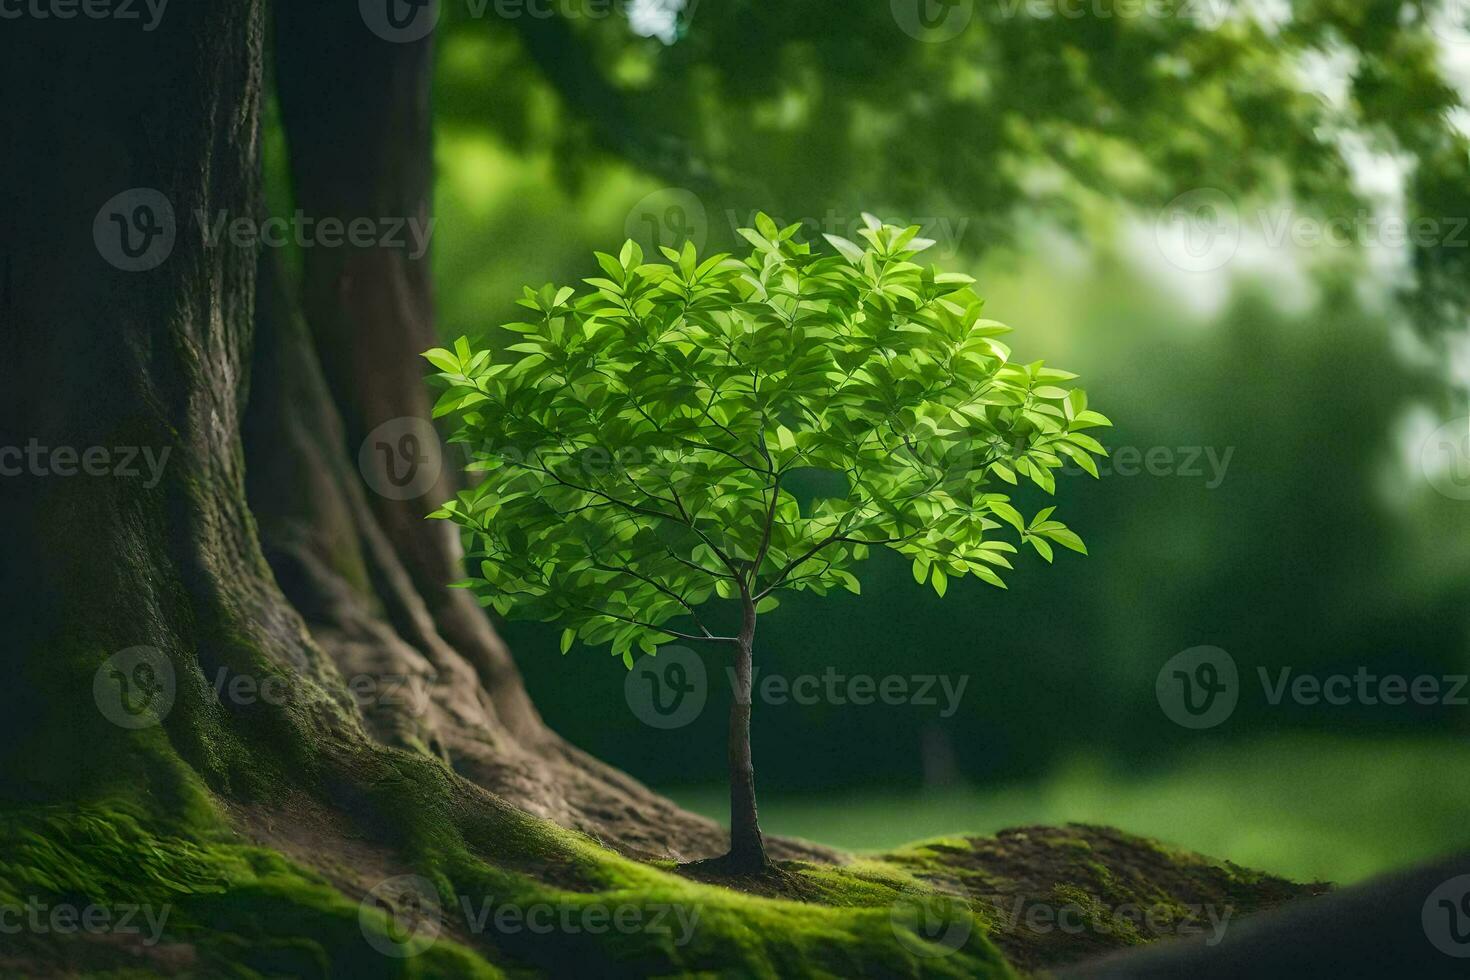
640, 453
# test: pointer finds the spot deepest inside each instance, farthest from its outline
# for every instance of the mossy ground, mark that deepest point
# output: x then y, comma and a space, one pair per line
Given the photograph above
296, 908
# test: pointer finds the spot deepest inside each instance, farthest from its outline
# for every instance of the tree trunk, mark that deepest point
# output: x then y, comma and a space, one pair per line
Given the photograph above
258, 554
747, 848
161, 567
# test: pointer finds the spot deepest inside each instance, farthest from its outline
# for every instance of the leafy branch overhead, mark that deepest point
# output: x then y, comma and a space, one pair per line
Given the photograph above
639, 450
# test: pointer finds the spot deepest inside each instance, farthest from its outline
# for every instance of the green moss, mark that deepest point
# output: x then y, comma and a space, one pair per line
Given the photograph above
225, 909
246, 911
511, 894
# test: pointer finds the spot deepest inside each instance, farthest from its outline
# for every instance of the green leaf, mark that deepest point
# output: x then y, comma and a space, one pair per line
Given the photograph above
567, 636
1042, 548
443, 360
850, 250
1067, 539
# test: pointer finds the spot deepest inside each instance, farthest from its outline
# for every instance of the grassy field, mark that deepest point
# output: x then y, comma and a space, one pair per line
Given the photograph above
1310, 808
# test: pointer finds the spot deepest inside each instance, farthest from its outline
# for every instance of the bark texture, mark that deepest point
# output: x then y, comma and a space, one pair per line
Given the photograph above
747, 847
179, 358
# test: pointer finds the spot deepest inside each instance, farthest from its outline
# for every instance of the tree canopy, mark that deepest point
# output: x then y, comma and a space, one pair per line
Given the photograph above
639, 450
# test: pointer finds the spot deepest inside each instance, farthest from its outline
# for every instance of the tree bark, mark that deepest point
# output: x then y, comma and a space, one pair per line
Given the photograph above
102, 361
258, 553
747, 848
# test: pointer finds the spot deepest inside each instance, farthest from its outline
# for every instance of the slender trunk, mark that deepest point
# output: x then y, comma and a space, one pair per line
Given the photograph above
747, 847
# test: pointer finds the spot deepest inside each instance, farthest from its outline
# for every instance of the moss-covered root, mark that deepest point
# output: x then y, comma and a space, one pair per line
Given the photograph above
99, 891
1056, 895
145, 899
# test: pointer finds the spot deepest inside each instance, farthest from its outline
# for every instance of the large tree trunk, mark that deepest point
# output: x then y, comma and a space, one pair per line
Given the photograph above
266, 561
95, 356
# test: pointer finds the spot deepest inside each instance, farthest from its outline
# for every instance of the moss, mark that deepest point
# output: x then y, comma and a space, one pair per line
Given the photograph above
246, 911
223, 909
508, 893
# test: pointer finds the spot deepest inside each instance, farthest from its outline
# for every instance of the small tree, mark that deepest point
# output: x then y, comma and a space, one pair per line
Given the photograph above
640, 448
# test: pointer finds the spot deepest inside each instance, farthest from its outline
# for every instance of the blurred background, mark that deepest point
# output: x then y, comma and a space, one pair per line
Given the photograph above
1243, 224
